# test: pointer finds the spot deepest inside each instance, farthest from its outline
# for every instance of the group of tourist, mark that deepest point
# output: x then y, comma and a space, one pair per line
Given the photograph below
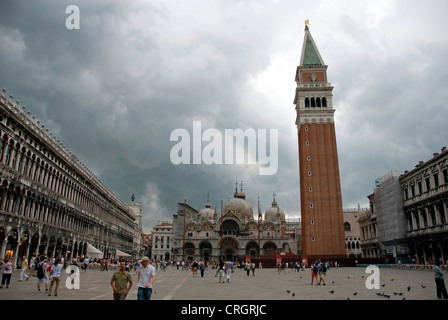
319, 268
47, 273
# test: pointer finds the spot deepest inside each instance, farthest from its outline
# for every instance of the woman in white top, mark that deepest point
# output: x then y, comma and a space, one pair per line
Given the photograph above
55, 276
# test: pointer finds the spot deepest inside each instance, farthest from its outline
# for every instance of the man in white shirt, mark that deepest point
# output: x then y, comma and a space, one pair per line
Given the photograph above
146, 276
86, 263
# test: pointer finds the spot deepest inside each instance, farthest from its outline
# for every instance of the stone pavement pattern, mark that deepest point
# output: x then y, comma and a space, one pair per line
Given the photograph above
267, 284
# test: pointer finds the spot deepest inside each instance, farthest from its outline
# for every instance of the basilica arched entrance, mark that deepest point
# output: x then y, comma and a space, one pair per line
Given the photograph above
269, 248
205, 250
189, 251
252, 248
229, 248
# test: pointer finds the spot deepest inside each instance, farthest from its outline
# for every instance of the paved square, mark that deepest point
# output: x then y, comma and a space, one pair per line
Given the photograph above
267, 284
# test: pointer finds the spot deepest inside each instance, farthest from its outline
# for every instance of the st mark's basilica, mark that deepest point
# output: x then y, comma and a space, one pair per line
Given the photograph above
233, 233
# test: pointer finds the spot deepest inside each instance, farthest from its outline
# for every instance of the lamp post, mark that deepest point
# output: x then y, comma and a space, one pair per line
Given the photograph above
183, 237
220, 243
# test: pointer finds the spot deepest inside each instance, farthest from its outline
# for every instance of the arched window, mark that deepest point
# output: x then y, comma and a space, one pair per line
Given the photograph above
324, 102
313, 103
318, 102
307, 102
230, 227
347, 226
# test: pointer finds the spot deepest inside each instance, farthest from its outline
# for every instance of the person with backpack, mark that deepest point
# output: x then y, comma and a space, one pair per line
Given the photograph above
322, 270
42, 276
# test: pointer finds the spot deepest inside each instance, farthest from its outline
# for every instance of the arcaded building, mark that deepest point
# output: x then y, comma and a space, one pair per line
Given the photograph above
425, 206
51, 203
232, 234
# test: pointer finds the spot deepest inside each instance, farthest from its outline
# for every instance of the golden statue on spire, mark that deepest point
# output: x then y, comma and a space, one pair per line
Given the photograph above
307, 22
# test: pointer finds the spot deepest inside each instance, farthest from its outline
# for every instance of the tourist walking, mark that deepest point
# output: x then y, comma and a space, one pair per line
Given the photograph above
322, 270
24, 267
6, 273
146, 277
55, 276
136, 266
33, 264
229, 270
86, 263
314, 272
195, 268
440, 281
221, 271
247, 267
202, 268
120, 281
42, 276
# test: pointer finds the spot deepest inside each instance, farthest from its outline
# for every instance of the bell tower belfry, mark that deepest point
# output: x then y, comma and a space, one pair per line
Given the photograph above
320, 188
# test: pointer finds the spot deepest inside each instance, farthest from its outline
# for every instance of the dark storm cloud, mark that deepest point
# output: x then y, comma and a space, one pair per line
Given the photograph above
114, 90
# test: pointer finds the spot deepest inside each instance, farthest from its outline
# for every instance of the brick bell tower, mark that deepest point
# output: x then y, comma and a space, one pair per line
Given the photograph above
320, 187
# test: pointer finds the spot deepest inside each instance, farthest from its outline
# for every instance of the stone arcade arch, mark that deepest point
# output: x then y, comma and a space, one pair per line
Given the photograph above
11, 244
269, 248
189, 251
252, 248
229, 247
205, 250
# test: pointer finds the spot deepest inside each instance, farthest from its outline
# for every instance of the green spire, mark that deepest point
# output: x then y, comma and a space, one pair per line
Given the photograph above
310, 54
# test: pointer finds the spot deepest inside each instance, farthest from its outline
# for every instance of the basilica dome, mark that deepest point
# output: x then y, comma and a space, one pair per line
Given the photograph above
239, 206
207, 212
274, 213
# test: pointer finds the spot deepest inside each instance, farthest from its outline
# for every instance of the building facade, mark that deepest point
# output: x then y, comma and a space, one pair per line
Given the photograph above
138, 245
50, 203
408, 217
233, 234
370, 247
353, 231
161, 241
425, 205
320, 188
384, 235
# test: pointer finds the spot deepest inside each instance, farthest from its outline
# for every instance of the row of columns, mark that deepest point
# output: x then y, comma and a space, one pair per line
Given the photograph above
35, 169
433, 214
39, 244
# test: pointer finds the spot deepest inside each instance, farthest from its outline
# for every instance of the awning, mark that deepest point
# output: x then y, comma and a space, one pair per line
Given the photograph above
93, 252
121, 254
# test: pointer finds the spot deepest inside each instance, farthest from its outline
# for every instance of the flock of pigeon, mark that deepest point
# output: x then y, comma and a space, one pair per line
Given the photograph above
381, 294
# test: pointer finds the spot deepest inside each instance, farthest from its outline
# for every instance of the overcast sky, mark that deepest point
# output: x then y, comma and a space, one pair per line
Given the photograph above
114, 90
